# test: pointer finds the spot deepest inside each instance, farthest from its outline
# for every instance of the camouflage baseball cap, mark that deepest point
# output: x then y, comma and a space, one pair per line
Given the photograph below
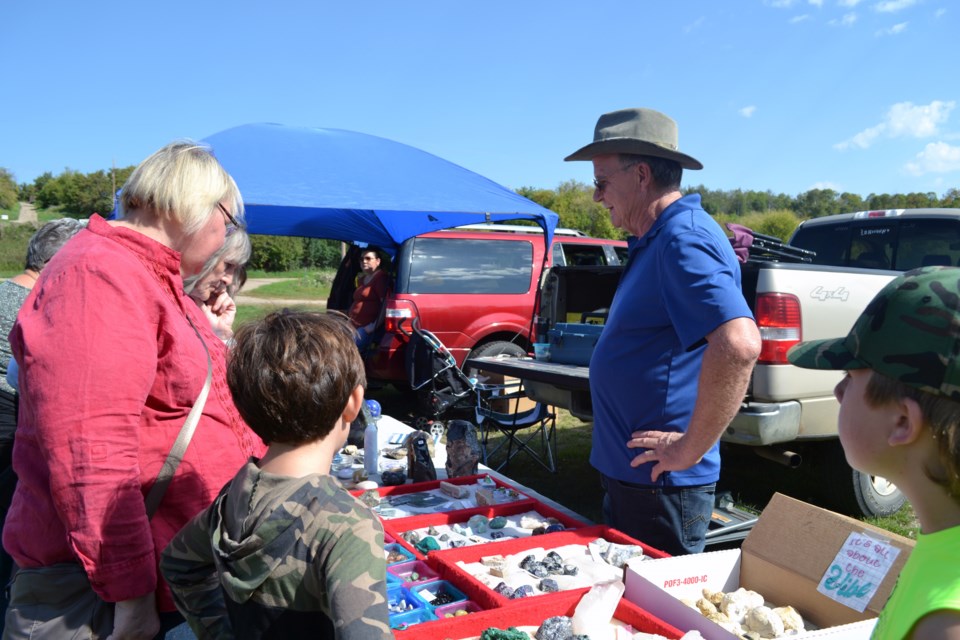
909, 332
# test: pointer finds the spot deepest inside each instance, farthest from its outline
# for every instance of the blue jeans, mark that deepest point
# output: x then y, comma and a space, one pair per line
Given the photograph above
173, 627
672, 519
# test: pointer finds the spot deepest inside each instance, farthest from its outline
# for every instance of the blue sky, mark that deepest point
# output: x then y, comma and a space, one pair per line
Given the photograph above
785, 95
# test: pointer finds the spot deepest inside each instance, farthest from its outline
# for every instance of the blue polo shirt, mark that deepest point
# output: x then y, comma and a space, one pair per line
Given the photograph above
681, 282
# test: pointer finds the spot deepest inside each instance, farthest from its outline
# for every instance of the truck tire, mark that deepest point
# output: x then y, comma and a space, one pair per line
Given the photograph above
856, 493
499, 347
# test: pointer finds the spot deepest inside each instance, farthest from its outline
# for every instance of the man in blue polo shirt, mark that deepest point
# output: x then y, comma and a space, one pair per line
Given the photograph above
672, 365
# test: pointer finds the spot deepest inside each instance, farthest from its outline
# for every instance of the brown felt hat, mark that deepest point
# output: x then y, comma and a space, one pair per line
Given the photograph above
640, 131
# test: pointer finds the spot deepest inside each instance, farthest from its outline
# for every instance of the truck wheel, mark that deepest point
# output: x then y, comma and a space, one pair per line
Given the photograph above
499, 347
858, 493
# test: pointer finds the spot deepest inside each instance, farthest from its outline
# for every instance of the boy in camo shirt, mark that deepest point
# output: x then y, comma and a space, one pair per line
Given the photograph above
900, 419
285, 551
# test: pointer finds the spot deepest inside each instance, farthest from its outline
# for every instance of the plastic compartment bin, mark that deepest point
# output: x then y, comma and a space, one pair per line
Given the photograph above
403, 621
430, 591
573, 343
405, 571
398, 594
450, 610
397, 550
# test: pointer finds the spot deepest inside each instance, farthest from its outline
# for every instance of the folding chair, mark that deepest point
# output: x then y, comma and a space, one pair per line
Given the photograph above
519, 428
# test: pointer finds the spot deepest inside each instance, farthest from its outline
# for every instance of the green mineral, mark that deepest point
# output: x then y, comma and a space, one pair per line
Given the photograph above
427, 544
498, 522
511, 633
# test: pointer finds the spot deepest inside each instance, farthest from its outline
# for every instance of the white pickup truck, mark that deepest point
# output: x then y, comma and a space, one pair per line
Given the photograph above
789, 414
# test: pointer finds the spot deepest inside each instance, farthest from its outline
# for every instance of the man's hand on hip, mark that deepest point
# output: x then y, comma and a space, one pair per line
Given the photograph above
666, 448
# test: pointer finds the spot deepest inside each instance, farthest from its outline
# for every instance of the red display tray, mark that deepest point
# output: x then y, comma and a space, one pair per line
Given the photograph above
396, 527
527, 613
446, 562
434, 485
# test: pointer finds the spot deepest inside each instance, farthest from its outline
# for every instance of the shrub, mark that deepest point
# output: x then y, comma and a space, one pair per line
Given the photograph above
322, 254
275, 253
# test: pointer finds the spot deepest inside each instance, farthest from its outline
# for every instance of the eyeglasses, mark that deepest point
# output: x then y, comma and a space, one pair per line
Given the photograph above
232, 224
601, 183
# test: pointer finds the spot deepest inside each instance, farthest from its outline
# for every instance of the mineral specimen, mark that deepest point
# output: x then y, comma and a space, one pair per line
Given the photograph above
478, 523
393, 477
511, 633
427, 545
548, 585
498, 522
523, 591
555, 628
553, 528
504, 590
791, 619
764, 621
737, 603
370, 498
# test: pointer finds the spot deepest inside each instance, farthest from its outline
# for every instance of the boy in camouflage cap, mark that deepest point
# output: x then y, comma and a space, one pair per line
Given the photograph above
900, 419
285, 551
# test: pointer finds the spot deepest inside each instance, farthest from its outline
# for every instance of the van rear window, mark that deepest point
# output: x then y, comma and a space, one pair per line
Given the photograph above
451, 265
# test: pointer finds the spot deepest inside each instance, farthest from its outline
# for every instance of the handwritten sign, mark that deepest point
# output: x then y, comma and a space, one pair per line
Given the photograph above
857, 571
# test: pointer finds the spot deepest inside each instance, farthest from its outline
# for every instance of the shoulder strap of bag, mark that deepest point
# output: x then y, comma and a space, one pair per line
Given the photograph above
183, 438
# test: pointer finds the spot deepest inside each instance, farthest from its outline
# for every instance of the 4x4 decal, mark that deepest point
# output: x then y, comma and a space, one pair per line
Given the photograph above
822, 294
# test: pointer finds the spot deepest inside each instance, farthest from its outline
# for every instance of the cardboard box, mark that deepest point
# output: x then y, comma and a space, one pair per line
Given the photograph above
785, 556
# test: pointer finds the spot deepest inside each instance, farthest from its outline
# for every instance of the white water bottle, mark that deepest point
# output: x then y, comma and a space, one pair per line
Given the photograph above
371, 452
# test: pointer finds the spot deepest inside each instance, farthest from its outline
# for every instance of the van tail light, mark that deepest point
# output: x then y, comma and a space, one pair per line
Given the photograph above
399, 313
778, 318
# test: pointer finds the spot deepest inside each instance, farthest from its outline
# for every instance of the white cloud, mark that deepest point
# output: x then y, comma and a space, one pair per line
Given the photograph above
849, 3
904, 119
825, 185
815, 3
779, 4
694, 25
892, 31
801, 18
936, 157
939, 13
747, 112
846, 21
892, 6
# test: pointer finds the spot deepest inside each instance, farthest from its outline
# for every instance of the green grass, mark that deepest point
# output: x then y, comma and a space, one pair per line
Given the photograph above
248, 312
903, 522
308, 287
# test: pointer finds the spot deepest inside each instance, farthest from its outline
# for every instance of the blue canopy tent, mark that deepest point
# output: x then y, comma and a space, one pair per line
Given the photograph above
354, 187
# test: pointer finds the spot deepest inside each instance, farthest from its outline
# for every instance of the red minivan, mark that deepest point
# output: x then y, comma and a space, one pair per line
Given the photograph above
475, 289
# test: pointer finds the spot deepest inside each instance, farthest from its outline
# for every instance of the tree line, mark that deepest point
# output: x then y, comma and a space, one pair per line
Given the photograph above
78, 194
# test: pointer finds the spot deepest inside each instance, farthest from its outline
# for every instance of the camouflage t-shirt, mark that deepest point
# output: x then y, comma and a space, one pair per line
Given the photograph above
281, 557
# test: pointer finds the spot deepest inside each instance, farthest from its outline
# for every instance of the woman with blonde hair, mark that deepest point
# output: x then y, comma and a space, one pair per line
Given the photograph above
113, 356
